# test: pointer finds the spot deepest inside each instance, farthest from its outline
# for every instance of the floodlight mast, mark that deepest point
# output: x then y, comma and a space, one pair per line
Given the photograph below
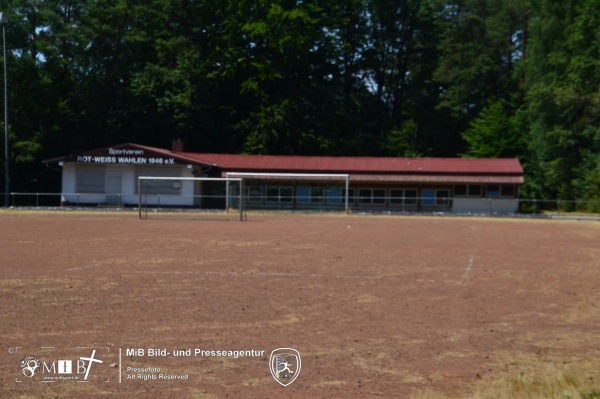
4, 21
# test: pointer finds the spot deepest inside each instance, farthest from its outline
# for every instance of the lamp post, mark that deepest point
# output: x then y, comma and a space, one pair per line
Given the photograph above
4, 21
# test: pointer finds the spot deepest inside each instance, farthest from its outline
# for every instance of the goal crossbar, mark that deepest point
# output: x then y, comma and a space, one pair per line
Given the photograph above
227, 180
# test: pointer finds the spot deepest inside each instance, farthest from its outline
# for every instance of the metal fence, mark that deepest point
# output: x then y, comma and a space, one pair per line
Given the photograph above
558, 206
383, 204
40, 200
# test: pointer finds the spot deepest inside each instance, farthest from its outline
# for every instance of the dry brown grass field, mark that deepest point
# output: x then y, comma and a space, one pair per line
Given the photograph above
377, 306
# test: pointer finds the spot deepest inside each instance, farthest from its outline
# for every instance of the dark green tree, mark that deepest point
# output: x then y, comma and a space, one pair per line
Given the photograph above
563, 98
484, 42
286, 69
399, 65
496, 133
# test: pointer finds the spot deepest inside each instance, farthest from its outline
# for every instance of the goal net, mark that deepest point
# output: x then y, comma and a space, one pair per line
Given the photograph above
191, 198
296, 191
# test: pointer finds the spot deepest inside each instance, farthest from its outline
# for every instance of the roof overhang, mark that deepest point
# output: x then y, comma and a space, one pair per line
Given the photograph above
454, 179
383, 178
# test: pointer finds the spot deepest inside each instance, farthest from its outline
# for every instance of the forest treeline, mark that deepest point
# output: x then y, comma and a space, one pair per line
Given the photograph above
471, 78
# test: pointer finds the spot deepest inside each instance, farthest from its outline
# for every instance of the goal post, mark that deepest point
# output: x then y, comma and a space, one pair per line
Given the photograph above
193, 197
315, 179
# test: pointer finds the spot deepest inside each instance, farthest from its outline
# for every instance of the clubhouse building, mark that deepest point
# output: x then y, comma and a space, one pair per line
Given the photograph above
110, 176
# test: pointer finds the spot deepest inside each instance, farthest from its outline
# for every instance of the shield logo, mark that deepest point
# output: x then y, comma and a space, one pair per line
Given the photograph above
285, 365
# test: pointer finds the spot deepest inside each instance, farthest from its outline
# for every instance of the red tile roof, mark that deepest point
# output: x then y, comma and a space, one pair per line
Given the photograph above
502, 170
322, 164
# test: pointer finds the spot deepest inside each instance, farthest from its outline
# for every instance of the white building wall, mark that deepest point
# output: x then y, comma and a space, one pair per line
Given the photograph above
128, 187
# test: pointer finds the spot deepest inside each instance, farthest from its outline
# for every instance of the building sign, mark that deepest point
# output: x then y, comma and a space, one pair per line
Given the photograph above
124, 156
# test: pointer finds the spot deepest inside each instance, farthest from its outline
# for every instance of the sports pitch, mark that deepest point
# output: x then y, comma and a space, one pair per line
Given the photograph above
378, 307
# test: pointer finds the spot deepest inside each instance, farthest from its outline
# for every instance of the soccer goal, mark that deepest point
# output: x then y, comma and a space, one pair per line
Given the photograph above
191, 198
296, 191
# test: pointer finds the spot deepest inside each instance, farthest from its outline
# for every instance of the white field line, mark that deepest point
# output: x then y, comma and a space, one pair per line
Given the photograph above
250, 274
259, 274
76, 269
467, 271
272, 274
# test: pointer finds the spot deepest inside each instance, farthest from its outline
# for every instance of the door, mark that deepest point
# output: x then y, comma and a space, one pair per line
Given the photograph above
427, 198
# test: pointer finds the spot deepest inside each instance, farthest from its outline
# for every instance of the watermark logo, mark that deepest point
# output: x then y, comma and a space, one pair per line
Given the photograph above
90, 360
29, 365
58, 370
285, 365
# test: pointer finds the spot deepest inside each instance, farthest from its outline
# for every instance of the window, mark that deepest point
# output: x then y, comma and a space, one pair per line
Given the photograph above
379, 196
310, 195
460, 190
492, 190
371, 196
272, 194
364, 196
474, 191
403, 197
277, 194
255, 194
350, 195
162, 187
396, 197
411, 197
441, 197
334, 196
303, 195
285, 194
316, 195
470, 190
90, 179
508, 191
